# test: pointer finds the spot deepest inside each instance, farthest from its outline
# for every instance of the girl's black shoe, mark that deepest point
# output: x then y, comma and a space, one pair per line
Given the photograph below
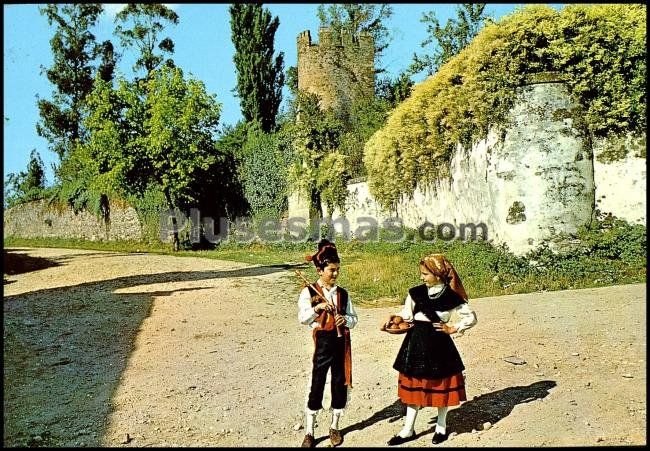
438, 438
397, 440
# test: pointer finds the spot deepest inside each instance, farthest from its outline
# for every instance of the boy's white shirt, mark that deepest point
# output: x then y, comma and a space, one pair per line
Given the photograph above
467, 316
306, 314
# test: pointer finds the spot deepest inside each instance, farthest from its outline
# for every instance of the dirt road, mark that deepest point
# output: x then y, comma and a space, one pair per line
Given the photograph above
195, 352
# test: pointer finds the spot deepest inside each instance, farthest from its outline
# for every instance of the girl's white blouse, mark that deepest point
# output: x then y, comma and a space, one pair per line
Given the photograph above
467, 316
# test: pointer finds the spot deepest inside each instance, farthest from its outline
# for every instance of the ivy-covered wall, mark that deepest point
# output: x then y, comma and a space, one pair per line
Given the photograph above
599, 51
532, 181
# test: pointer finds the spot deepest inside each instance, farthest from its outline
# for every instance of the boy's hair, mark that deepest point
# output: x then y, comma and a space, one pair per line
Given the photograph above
325, 255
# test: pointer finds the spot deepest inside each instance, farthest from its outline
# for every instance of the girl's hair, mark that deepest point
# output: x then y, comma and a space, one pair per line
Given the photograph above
442, 268
325, 254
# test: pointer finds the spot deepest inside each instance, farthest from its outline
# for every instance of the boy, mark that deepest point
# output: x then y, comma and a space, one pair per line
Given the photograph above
329, 312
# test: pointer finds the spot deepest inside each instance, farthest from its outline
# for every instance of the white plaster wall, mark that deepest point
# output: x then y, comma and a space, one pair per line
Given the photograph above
298, 206
541, 170
621, 185
463, 199
530, 183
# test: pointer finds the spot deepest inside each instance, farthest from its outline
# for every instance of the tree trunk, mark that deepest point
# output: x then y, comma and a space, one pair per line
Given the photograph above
106, 214
170, 205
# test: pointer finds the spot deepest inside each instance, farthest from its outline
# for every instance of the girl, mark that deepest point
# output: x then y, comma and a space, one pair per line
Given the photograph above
326, 320
430, 368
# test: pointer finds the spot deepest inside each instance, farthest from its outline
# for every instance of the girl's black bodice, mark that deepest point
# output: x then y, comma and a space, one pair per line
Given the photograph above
426, 352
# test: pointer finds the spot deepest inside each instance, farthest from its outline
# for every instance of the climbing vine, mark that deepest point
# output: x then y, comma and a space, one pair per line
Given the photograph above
598, 50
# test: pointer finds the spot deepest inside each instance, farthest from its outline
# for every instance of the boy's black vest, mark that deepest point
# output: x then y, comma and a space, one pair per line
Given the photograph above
325, 320
426, 352
326, 323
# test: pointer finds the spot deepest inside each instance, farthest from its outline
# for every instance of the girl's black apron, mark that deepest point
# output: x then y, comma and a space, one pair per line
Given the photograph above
426, 353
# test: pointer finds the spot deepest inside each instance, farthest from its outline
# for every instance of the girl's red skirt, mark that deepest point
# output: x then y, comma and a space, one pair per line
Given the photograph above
448, 391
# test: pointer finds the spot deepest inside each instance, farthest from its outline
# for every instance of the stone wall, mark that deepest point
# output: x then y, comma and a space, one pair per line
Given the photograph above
536, 179
40, 220
336, 69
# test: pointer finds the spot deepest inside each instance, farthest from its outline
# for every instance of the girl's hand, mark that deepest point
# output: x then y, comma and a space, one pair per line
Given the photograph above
384, 324
340, 320
443, 327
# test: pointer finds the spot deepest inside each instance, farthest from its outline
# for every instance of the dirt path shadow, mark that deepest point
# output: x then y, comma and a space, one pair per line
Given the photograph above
470, 415
15, 262
66, 348
491, 407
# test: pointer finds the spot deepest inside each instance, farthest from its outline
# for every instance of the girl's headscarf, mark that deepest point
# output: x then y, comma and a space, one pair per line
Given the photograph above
442, 268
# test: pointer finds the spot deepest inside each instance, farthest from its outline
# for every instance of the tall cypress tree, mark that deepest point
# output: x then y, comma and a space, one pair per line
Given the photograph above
260, 75
74, 50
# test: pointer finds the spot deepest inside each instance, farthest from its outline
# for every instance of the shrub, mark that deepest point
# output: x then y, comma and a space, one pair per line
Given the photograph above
263, 173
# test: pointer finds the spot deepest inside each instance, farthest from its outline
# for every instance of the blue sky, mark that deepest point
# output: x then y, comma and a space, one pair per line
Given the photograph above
203, 48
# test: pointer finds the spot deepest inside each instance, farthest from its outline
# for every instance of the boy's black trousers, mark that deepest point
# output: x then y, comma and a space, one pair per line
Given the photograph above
329, 353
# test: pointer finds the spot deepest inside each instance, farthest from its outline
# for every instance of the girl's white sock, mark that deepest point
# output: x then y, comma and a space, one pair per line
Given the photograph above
409, 423
441, 423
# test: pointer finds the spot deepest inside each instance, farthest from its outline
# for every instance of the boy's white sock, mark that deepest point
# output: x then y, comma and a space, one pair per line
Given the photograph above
336, 416
441, 423
409, 423
310, 421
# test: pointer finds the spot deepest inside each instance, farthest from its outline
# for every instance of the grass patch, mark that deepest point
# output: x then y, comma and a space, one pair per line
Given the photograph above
380, 273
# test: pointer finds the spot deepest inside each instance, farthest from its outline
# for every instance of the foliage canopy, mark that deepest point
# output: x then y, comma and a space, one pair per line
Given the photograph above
74, 50
26, 186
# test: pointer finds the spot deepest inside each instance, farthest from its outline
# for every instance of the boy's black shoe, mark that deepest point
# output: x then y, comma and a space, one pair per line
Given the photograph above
397, 440
438, 438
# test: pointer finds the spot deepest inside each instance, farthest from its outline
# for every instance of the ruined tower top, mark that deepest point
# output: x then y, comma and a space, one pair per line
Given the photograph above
338, 68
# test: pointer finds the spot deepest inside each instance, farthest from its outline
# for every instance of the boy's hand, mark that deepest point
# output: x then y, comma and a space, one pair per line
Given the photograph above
340, 320
323, 306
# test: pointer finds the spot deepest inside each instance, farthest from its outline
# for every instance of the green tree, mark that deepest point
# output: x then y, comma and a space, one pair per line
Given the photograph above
260, 74
179, 135
146, 21
95, 170
449, 40
150, 143
357, 17
26, 186
223, 177
395, 90
318, 167
292, 80
74, 50
367, 115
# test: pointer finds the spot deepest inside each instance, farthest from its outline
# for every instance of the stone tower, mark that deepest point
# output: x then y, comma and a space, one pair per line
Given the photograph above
337, 70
